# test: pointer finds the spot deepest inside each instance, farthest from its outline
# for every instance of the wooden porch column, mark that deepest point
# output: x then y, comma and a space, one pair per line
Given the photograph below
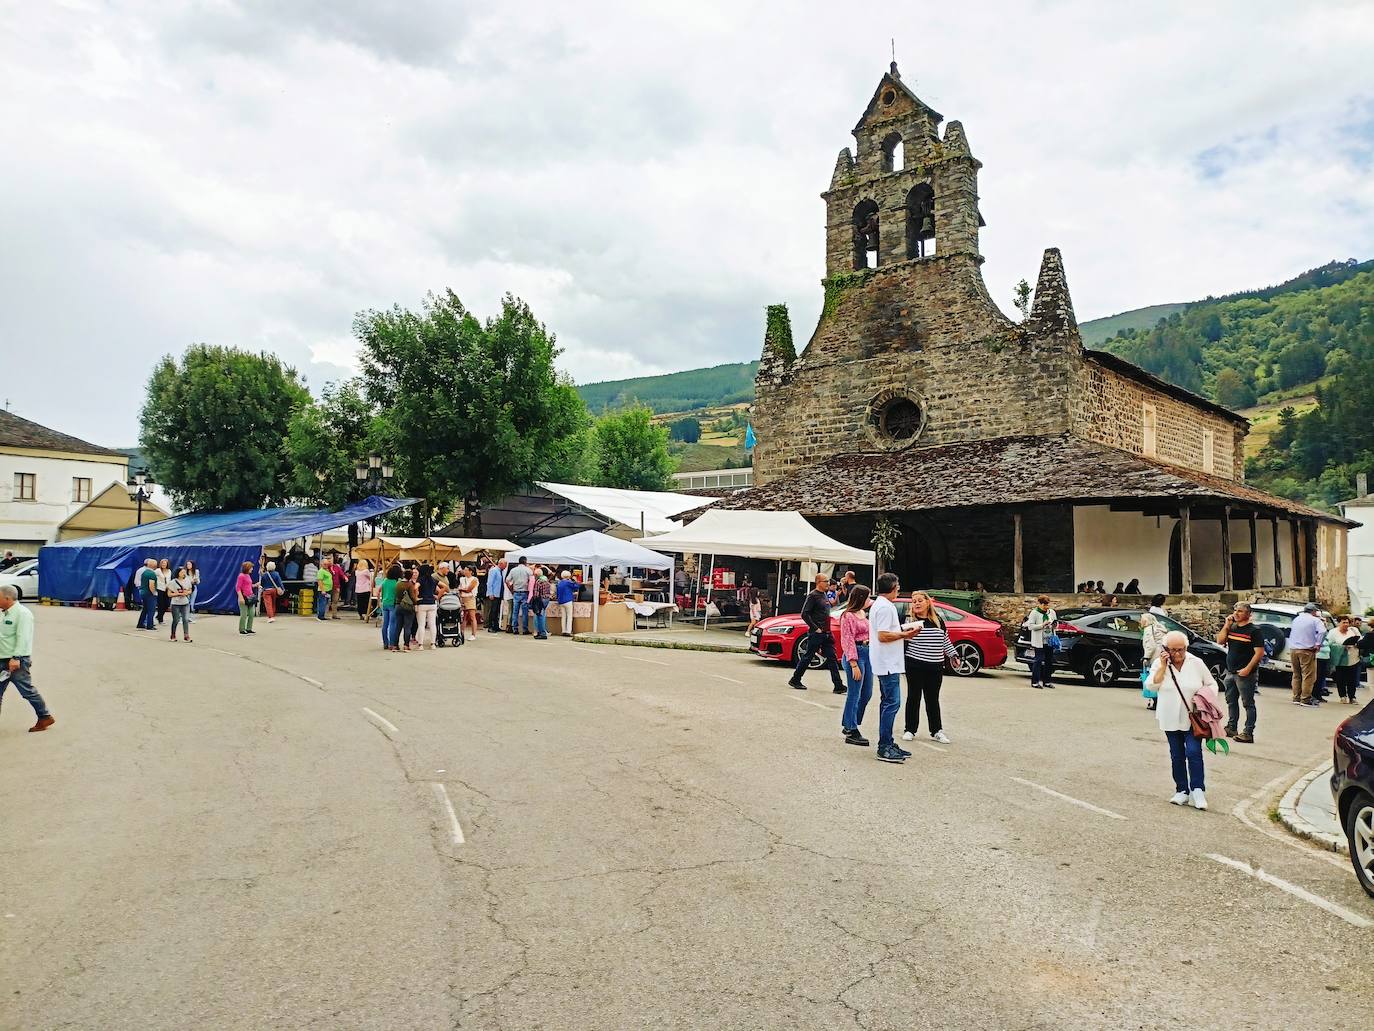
1185, 547
1226, 578
1312, 530
1278, 559
1298, 579
1254, 554
1018, 579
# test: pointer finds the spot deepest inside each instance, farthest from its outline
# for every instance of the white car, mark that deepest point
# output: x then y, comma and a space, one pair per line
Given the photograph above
1279, 615
23, 577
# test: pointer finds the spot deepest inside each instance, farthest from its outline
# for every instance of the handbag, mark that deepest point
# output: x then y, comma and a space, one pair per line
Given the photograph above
1200, 729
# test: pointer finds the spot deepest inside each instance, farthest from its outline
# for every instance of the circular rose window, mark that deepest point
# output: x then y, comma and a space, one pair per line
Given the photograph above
895, 419
889, 97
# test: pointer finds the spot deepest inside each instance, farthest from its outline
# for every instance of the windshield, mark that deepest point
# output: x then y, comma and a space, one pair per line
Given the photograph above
1269, 616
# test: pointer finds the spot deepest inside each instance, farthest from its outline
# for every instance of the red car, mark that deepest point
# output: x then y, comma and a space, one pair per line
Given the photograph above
977, 641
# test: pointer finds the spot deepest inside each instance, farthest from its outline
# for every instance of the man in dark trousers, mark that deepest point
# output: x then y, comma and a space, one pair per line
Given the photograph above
816, 614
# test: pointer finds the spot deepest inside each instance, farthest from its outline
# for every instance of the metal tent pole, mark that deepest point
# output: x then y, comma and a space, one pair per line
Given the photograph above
710, 583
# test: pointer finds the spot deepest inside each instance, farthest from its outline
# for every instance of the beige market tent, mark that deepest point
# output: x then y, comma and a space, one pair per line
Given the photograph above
380, 550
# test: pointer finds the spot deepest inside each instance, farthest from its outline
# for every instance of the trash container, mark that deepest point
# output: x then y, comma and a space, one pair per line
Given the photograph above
969, 601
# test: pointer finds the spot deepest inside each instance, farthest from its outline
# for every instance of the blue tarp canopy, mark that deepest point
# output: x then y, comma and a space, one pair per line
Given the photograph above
218, 542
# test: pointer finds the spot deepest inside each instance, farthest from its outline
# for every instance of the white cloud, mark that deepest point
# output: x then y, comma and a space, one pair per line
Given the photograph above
254, 174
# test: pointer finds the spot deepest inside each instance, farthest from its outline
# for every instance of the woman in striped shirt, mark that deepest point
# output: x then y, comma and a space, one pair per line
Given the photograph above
925, 667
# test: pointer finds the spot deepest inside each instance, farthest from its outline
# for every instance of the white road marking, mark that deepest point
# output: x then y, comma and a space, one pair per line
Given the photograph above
1354, 919
311, 680
1242, 813
382, 723
927, 744
651, 662
1070, 799
807, 701
455, 830
730, 680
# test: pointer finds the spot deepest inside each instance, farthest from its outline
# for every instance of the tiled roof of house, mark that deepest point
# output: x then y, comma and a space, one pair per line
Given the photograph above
19, 432
1001, 471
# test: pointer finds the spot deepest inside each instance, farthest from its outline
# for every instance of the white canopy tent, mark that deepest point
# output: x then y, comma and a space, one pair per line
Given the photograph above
648, 511
766, 535
597, 550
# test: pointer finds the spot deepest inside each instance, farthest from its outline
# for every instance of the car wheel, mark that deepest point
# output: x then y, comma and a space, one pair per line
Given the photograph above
816, 662
969, 659
1359, 832
1218, 671
1103, 669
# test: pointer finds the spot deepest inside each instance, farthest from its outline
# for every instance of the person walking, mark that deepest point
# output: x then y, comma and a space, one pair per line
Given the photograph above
324, 588
1179, 677
925, 656
336, 571
541, 592
1244, 653
1344, 640
496, 593
518, 583
272, 590
854, 646
16, 655
391, 630
1040, 622
815, 613
248, 603
1304, 638
362, 587
427, 605
147, 595
1152, 631
887, 640
194, 574
164, 600
179, 592
566, 595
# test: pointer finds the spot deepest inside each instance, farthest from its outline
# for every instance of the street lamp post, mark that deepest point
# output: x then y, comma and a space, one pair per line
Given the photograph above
374, 473
140, 495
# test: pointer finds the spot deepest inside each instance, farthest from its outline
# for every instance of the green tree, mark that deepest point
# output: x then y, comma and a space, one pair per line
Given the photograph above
467, 404
1021, 298
687, 430
1300, 362
1231, 389
632, 452
212, 427
327, 441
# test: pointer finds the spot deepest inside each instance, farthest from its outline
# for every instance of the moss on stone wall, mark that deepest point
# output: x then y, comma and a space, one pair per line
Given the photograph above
840, 284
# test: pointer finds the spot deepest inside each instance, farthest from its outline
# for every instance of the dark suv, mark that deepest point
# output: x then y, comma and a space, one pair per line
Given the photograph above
1103, 645
1352, 786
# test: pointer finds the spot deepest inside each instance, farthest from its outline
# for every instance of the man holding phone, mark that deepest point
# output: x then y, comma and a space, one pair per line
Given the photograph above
816, 614
1244, 652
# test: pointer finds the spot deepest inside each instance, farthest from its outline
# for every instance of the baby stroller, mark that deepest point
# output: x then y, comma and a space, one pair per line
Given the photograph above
448, 621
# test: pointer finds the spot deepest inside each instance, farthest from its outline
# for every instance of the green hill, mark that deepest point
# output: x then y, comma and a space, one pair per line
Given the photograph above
1098, 330
675, 391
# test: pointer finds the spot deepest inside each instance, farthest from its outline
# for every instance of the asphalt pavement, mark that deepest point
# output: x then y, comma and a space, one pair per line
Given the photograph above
295, 830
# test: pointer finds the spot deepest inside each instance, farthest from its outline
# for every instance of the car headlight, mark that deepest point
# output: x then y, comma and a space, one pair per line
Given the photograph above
777, 630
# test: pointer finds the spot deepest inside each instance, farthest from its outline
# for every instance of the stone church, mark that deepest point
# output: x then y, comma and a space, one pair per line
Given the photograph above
1003, 453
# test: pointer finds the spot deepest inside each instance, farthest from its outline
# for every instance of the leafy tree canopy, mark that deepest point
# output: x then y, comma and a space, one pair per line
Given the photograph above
687, 430
631, 452
327, 441
211, 427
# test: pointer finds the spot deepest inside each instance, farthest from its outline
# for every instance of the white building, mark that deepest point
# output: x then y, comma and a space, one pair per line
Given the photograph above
711, 479
1360, 541
45, 476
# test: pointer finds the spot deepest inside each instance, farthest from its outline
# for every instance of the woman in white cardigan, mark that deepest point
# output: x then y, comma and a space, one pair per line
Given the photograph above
1175, 666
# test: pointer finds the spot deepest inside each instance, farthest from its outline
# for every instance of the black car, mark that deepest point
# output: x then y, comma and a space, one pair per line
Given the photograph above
1352, 786
1104, 645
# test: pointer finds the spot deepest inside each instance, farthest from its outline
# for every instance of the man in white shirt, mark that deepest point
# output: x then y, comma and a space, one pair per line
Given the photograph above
886, 654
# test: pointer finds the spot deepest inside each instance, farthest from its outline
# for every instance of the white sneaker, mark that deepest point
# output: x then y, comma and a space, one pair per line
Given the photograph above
908, 736
1181, 798
941, 737
1199, 799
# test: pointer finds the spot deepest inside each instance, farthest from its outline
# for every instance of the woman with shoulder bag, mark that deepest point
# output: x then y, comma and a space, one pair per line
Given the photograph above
272, 589
1184, 685
407, 596
179, 591
1040, 622
854, 637
1152, 631
194, 575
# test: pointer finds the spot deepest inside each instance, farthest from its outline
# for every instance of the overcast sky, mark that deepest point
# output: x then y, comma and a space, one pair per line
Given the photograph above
255, 172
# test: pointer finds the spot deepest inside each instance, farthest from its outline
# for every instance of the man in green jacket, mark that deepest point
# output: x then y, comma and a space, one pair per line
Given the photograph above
16, 655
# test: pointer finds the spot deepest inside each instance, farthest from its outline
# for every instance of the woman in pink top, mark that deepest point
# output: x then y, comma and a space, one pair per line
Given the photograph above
248, 602
854, 633
362, 587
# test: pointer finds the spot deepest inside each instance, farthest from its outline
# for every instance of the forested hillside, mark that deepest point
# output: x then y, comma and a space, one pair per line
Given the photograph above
675, 391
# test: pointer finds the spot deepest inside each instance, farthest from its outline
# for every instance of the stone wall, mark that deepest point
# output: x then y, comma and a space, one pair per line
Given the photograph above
1108, 407
926, 328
